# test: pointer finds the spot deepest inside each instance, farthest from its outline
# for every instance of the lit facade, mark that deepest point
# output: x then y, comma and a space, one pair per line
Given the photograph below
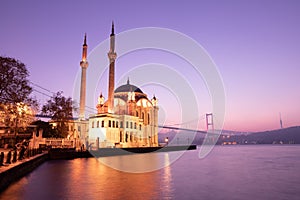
126, 119
133, 122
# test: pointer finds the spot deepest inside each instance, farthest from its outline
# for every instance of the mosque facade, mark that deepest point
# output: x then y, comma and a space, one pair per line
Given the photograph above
127, 118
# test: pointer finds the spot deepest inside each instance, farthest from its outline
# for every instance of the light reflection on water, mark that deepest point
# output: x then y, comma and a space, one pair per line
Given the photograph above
241, 172
141, 163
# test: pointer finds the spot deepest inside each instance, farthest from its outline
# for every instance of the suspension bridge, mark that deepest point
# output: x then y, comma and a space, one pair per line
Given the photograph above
171, 127
179, 126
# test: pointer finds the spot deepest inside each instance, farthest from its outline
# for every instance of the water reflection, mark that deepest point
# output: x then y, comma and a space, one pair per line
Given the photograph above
141, 163
167, 178
248, 172
91, 179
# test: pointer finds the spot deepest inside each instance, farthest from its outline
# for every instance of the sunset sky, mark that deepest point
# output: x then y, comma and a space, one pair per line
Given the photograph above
254, 44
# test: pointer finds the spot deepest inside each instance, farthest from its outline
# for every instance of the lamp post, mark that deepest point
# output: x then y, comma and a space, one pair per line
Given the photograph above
166, 140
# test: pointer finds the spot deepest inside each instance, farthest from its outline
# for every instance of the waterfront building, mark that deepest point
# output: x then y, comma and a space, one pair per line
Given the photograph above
127, 118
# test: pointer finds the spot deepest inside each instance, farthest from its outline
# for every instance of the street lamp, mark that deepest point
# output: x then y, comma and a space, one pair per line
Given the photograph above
166, 140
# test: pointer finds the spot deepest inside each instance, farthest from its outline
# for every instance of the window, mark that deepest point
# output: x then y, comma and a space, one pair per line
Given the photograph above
102, 123
114, 123
79, 129
97, 124
137, 113
126, 124
143, 116
131, 125
109, 123
117, 124
121, 124
134, 125
148, 118
140, 127
92, 124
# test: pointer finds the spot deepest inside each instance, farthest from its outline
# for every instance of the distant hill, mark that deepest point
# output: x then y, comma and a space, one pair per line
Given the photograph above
289, 135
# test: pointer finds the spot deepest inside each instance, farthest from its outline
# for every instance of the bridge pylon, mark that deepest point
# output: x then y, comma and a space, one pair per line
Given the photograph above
209, 122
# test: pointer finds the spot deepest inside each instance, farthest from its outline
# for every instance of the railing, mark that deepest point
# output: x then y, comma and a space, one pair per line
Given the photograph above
13, 156
60, 143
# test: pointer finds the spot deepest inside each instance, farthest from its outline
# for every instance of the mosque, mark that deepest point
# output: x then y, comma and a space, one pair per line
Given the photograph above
126, 119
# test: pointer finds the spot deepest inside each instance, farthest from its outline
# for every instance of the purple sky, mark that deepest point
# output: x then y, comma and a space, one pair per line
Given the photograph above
255, 45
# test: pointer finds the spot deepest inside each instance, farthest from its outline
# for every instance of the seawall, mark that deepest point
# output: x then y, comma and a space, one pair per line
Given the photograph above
16, 172
59, 153
103, 152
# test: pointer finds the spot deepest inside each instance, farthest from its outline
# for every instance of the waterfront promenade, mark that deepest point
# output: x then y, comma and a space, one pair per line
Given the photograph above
16, 164
8, 163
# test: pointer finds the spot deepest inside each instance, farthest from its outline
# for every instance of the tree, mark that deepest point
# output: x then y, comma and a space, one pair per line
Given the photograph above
60, 108
14, 85
16, 105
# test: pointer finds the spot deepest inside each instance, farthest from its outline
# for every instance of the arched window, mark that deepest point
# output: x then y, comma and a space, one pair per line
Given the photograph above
102, 123
137, 113
109, 123
117, 124
113, 124
135, 125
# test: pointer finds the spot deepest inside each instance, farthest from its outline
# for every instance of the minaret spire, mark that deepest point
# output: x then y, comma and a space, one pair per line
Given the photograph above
112, 29
84, 49
84, 65
111, 79
84, 43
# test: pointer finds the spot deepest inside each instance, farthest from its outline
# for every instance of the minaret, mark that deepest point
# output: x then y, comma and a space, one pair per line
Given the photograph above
84, 64
111, 79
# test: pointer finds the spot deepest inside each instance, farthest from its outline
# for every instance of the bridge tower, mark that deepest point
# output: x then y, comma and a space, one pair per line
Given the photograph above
209, 121
280, 121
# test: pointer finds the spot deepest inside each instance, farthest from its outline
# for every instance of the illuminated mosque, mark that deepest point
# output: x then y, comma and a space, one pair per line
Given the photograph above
127, 118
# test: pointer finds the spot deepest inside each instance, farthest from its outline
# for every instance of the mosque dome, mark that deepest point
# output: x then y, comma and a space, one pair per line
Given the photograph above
128, 88
123, 90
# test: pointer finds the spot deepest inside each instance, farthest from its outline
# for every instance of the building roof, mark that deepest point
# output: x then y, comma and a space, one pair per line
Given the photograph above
128, 88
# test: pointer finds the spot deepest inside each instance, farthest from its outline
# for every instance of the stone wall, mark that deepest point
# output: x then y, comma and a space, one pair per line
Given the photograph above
15, 173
